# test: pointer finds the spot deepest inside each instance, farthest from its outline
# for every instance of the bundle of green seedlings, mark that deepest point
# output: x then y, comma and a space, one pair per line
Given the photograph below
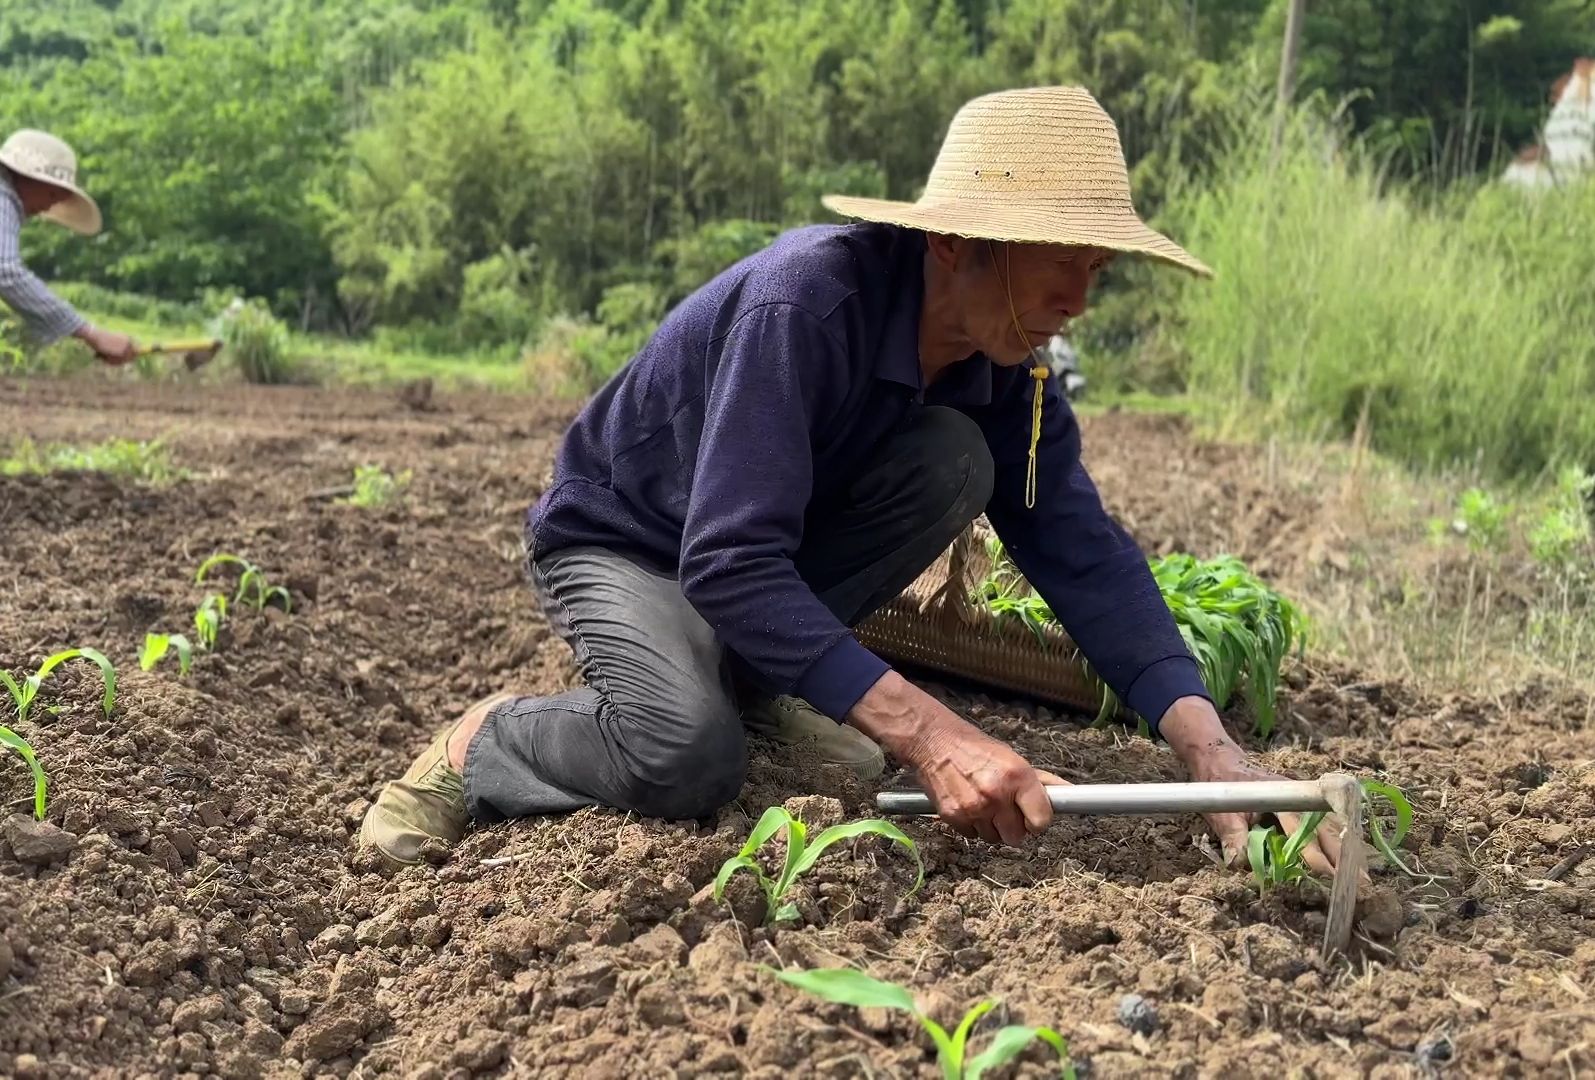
1277, 859
24, 693
375, 487
1238, 629
800, 856
845, 986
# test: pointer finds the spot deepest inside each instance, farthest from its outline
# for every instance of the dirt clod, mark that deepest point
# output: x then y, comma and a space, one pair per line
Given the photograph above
818, 812
189, 1015
339, 937
335, 1029
481, 1051
37, 843
1137, 1014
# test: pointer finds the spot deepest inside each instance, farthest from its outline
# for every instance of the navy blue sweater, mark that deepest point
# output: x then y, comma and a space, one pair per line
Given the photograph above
760, 393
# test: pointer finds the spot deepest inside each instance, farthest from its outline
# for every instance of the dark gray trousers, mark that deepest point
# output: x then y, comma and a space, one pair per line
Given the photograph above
657, 729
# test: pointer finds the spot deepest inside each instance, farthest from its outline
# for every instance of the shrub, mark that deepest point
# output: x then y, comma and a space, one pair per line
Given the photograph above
257, 341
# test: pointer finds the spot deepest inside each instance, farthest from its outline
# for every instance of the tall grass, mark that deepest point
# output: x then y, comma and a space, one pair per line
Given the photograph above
1450, 331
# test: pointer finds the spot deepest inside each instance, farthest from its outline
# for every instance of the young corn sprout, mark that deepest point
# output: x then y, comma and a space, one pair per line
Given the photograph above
157, 645
23, 695
208, 619
253, 588
1276, 859
11, 740
1238, 628
801, 855
845, 986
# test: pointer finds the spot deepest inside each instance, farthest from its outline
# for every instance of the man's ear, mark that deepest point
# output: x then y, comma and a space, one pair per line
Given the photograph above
950, 252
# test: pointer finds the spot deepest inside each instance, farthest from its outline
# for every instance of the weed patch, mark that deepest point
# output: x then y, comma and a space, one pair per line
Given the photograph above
146, 462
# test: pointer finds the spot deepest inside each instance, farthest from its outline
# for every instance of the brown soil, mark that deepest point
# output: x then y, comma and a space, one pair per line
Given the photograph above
211, 916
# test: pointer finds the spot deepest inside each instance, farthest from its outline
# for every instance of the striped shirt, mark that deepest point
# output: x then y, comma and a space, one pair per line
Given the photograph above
46, 316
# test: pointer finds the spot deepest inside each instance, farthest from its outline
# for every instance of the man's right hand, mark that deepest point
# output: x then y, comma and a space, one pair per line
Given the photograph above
978, 784
111, 347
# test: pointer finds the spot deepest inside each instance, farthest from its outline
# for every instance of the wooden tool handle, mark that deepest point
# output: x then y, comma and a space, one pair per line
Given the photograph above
194, 345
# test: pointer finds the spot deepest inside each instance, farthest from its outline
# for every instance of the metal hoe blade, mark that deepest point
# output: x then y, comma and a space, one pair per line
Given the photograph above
1336, 793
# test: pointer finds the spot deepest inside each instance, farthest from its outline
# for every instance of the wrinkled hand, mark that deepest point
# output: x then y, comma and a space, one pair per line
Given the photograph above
1194, 731
978, 784
982, 787
111, 347
1321, 853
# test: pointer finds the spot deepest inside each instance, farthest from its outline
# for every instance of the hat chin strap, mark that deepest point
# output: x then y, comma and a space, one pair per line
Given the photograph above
1038, 371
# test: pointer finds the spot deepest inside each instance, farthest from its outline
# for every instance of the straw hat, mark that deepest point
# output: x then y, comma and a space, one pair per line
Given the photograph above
45, 158
1040, 166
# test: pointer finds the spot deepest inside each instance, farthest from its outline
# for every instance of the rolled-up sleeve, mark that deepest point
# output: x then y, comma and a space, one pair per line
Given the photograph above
751, 485
45, 316
1083, 563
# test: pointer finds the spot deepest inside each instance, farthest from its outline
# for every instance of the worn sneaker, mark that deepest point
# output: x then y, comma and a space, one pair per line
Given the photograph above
427, 801
793, 721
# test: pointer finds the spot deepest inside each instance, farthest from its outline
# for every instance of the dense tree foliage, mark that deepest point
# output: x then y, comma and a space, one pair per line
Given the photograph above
476, 166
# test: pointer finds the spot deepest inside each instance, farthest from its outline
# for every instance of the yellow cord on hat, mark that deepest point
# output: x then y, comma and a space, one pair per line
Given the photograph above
1038, 371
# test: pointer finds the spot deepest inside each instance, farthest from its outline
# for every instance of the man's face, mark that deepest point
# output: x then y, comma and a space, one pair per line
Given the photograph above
37, 196
1048, 284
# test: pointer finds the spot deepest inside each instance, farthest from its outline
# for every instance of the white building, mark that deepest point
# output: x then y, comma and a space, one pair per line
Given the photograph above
1567, 145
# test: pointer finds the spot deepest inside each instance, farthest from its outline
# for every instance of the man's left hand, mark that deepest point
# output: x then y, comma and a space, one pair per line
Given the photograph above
1194, 731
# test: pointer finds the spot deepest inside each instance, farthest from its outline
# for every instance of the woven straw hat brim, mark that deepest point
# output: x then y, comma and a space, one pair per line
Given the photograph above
1085, 228
78, 212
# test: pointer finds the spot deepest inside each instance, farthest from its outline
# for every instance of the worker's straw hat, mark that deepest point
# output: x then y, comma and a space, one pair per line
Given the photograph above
43, 157
1040, 165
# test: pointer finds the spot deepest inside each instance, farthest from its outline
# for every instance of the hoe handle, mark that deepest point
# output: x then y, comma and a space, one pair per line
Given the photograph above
1335, 792
196, 345
1198, 798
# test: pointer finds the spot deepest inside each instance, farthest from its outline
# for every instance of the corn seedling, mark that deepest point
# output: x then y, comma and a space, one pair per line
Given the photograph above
1375, 792
845, 986
374, 486
801, 855
1238, 629
13, 741
156, 646
23, 695
1276, 859
208, 619
253, 587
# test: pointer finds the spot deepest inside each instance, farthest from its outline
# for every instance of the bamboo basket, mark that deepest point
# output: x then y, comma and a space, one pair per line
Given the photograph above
935, 624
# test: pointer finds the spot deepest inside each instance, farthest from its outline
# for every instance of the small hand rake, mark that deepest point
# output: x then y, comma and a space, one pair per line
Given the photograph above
1336, 793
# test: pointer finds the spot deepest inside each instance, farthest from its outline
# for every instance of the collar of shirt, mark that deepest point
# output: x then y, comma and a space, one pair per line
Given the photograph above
8, 192
967, 382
